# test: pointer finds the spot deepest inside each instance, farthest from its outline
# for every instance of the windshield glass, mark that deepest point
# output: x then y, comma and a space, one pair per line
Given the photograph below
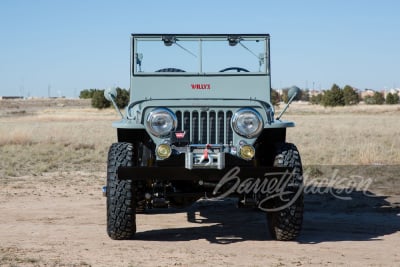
192, 55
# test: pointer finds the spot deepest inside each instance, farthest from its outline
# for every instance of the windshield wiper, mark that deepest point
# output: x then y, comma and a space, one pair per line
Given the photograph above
248, 49
170, 40
234, 40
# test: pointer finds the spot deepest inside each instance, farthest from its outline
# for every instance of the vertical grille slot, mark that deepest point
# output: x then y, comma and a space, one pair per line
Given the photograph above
213, 128
179, 117
203, 128
229, 132
221, 127
195, 126
206, 127
186, 122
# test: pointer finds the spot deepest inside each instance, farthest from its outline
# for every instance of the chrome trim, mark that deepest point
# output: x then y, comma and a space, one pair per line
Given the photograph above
257, 132
212, 126
158, 111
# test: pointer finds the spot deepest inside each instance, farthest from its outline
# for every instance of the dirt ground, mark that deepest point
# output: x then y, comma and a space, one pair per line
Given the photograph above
58, 218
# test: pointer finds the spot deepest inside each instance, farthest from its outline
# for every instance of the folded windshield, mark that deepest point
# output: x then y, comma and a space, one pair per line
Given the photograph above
170, 54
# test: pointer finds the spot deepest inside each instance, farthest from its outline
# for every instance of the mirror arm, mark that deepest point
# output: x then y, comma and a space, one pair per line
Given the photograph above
286, 107
112, 98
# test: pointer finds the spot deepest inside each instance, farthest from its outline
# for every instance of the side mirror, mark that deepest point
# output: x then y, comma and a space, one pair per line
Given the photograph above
110, 94
293, 92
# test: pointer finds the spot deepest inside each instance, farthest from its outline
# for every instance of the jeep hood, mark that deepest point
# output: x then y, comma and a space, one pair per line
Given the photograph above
244, 86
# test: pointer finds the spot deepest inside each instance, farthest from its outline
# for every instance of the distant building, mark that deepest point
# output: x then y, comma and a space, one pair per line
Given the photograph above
314, 92
11, 97
367, 92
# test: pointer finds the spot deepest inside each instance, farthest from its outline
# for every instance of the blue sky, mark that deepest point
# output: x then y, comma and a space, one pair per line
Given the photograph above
69, 46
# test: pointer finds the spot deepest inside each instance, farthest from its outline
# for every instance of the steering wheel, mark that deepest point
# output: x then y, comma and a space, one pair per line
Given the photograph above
170, 70
238, 69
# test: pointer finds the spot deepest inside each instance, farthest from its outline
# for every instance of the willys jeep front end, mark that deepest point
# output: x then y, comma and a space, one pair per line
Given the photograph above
200, 106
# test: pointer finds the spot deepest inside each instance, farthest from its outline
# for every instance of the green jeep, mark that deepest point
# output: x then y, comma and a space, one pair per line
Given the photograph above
200, 123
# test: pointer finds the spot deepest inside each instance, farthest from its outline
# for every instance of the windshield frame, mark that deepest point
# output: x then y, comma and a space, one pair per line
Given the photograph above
230, 39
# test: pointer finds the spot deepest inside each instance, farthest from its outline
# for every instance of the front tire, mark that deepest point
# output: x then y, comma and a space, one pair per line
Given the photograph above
121, 215
285, 224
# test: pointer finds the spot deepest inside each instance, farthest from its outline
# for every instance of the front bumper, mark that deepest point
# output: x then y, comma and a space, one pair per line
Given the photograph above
197, 175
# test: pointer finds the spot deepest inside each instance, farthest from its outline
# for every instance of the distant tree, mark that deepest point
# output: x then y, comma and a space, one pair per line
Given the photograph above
389, 99
275, 98
284, 95
316, 99
333, 97
369, 100
122, 97
392, 99
379, 98
350, 96
305, 95
87, 93
376, 99
84, 94
99, 101
396, 98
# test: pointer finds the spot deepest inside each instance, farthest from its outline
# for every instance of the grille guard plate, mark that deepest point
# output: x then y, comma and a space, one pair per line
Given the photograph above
205, 157
198, 161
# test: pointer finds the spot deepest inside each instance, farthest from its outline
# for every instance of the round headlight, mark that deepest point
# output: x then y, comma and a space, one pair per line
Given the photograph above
161, 121
247, 122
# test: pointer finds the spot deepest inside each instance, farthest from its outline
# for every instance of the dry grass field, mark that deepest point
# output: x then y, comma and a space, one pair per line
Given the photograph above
57, 137
361, 134
34, 140
53, 163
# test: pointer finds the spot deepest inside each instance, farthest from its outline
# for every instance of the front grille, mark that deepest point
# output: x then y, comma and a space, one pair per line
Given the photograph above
206, 127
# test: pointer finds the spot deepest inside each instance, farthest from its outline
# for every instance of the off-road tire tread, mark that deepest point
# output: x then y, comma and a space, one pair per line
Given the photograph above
285, 225
121, 215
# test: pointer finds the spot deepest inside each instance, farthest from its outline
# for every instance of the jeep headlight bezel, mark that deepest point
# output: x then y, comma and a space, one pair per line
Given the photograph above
247, 122
161, 121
